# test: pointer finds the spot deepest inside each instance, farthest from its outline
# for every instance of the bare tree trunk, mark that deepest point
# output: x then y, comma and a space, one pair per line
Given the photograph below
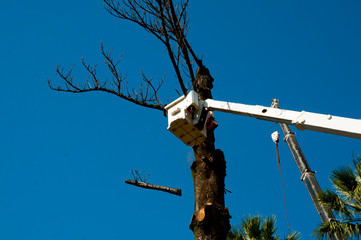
210, 221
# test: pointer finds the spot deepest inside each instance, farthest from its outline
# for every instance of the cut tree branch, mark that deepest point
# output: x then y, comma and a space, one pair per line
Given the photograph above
174, 191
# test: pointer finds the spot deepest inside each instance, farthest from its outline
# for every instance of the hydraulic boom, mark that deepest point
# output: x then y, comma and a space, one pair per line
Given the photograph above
189, 117
302, 120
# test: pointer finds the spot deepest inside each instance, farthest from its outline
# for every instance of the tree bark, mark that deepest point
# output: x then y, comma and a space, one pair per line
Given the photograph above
210, 221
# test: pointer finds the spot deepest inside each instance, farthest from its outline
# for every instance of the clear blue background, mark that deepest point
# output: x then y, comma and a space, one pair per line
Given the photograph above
64, 157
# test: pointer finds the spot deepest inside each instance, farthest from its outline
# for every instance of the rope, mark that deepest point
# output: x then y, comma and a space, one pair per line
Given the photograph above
283, 189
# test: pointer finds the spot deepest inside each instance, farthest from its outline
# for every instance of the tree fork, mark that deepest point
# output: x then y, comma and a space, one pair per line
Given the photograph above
210, 221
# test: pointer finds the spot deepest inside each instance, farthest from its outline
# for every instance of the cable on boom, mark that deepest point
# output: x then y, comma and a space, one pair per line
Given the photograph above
276, 138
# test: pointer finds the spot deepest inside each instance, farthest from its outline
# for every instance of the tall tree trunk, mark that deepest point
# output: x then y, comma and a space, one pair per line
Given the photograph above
210, 221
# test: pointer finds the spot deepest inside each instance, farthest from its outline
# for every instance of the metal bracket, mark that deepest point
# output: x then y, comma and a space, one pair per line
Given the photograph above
305, 173
288, 135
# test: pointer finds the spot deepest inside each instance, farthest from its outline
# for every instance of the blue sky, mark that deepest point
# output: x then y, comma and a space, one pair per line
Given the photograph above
64, 157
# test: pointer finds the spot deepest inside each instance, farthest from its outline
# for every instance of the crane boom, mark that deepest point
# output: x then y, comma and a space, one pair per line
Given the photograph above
302, 120
188, 117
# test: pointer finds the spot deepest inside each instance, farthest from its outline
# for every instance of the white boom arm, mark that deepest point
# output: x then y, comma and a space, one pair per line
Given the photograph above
302, 120
188, 118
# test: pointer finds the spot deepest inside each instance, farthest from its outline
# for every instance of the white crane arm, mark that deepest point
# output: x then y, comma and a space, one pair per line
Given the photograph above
189, 118
302, 120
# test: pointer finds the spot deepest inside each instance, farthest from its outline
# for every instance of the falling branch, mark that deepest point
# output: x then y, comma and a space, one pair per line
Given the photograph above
174, 191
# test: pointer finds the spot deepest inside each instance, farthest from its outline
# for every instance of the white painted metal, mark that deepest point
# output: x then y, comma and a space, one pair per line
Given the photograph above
181, 122
302, 120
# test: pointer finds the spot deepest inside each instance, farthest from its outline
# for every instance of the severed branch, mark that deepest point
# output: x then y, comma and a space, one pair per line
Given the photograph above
177, 192
140, 181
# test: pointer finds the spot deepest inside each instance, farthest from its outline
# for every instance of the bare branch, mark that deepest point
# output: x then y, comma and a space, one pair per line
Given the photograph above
180, 30
169, 48
137, 175
198, 61
168, 23
177, 192
136, 12
148, 96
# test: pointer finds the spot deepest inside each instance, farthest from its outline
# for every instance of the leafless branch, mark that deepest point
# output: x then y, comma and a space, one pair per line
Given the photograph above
140, 181
147, 95
177, 192
168, 22
137, 176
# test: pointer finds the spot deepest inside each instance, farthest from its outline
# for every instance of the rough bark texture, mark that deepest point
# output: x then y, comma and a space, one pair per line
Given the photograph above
210, 220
